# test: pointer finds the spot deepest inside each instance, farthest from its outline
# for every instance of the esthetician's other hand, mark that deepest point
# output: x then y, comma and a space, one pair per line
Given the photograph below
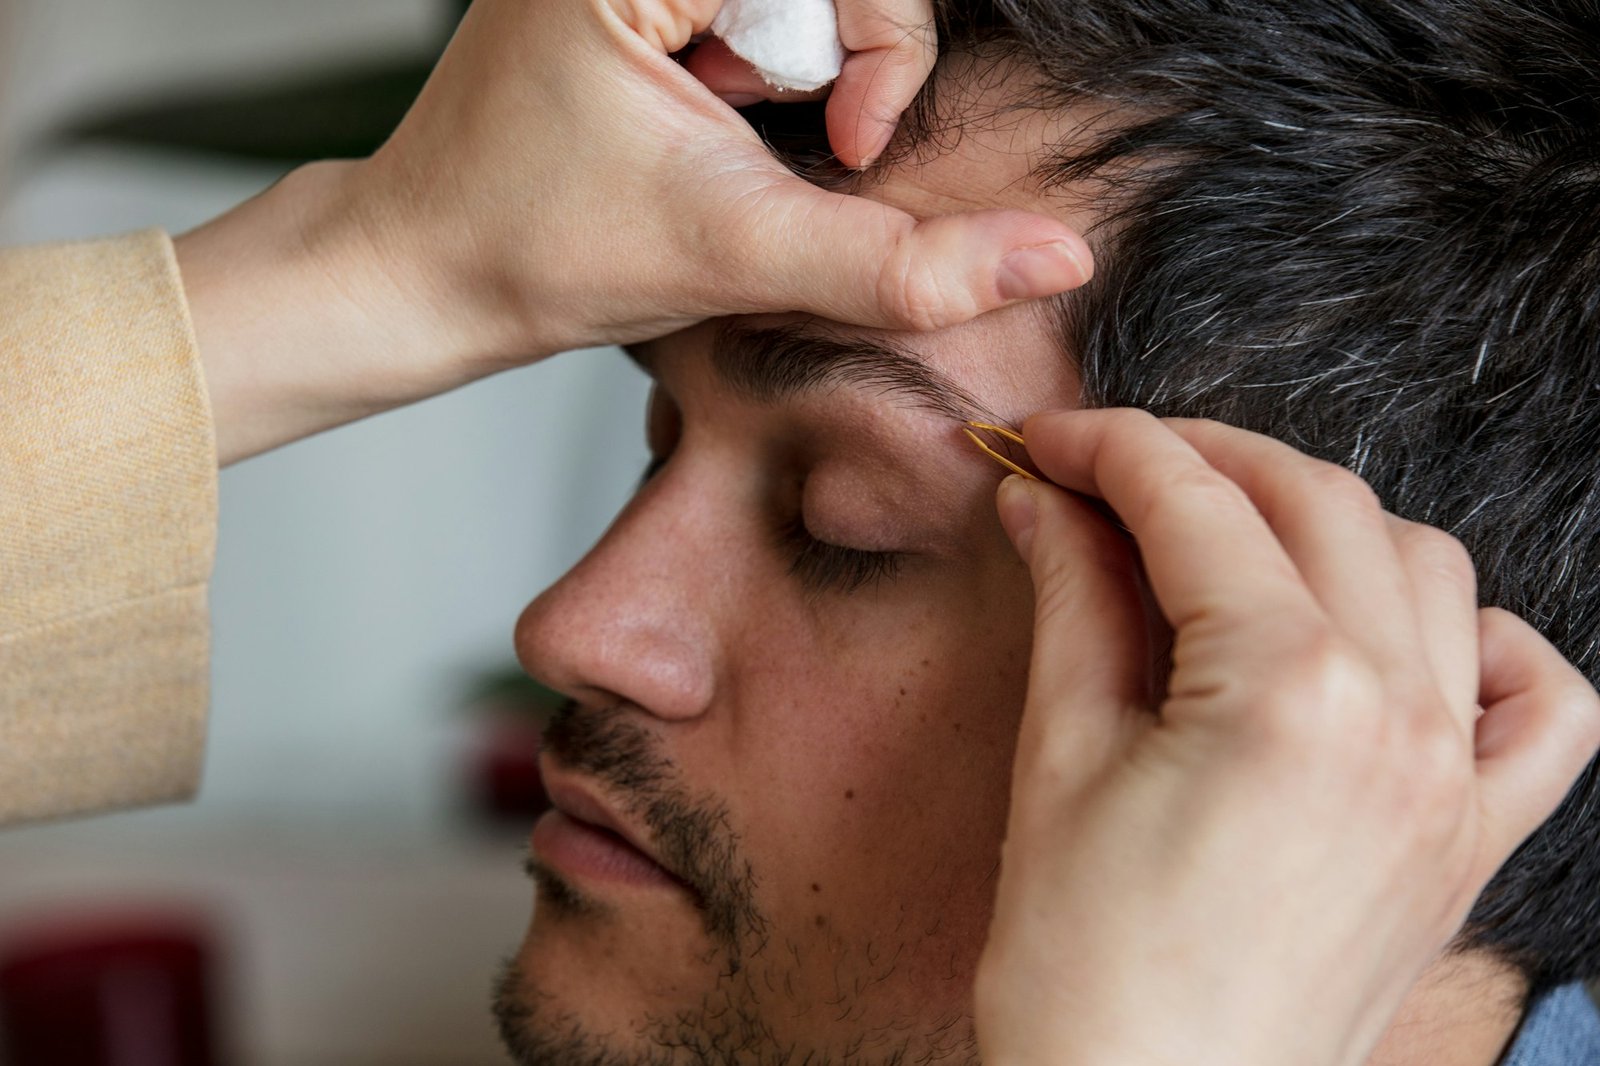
561, 183
1256, 866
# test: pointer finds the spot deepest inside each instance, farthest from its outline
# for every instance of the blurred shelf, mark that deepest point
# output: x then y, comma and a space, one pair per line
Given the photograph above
338, 114
291, 117
341, 944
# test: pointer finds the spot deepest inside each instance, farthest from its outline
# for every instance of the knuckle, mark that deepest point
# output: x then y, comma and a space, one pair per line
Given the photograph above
1130, 419
917, 48
1119, 427
665, 26
1323, 687
918, 298
1186, 488
1054, 596
1206, 429
1335, 484
1441, 555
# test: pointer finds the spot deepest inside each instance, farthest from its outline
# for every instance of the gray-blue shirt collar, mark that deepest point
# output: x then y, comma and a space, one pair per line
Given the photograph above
1562, 1029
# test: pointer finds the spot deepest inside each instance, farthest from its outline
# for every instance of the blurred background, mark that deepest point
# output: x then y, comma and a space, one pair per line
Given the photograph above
350, 876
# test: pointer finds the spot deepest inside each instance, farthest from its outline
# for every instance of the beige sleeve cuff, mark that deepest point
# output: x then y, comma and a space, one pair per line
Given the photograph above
107, 529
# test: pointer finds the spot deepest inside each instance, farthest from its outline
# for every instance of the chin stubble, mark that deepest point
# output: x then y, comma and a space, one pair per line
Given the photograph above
538, 1032
695, 838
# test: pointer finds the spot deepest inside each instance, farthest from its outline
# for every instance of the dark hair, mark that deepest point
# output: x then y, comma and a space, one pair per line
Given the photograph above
1369, 228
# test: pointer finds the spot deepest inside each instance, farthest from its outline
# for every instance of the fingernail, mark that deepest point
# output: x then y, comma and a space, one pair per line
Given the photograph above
740, 99
1042, 270
1019, 508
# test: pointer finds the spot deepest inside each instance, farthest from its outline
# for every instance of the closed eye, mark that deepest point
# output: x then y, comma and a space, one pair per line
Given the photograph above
824, 567
819, 566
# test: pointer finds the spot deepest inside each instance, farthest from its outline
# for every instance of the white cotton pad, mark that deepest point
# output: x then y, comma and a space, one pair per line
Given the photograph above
793, 44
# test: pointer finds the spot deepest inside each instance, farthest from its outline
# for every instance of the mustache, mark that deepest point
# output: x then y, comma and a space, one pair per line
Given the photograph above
692, 833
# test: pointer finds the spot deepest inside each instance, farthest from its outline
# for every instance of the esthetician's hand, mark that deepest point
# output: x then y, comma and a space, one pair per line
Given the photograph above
561, 183
1253, 867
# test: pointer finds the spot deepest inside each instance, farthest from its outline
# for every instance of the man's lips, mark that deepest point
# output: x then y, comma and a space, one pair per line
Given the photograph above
586, 835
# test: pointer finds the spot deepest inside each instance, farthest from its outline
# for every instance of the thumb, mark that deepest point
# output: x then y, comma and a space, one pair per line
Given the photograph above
855, 260
1089, 681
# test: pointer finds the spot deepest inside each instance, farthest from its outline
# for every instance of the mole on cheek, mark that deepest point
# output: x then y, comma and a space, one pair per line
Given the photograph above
815, 887
821, 921
849, 793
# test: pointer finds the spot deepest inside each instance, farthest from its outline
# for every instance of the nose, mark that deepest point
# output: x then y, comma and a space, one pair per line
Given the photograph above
634, 621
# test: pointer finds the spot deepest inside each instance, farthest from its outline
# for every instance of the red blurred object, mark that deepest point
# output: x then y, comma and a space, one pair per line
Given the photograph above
107, 990
505, 770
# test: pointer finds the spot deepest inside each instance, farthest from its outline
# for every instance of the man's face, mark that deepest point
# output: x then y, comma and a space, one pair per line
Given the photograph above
798, 660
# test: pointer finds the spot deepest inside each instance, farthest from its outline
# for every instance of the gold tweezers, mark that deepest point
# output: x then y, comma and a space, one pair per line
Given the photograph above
1004, 433
1016, 438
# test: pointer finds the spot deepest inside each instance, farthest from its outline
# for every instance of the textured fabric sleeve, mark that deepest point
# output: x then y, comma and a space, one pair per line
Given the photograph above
107, 530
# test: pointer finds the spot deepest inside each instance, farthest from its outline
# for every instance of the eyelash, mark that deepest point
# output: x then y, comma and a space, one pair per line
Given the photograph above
821, 566
818, 565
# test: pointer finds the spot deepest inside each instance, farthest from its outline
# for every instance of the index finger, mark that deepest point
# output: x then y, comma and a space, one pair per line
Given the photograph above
890, 47
1207, 551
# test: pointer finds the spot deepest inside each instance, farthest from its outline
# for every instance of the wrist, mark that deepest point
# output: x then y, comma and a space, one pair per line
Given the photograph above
464, 282
311, 312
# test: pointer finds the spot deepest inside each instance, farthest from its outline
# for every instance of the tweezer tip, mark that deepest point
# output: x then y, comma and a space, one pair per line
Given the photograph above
983, 445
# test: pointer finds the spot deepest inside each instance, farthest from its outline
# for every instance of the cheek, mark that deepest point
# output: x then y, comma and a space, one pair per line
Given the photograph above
875, 778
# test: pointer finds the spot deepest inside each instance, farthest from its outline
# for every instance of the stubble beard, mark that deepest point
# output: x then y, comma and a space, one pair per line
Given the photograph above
731, 1025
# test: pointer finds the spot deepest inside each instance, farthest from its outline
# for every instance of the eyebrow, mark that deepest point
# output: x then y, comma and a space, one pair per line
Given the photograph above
783, 362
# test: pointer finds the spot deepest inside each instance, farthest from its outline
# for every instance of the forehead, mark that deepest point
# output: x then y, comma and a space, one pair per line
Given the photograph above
987, 148
1011, 361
